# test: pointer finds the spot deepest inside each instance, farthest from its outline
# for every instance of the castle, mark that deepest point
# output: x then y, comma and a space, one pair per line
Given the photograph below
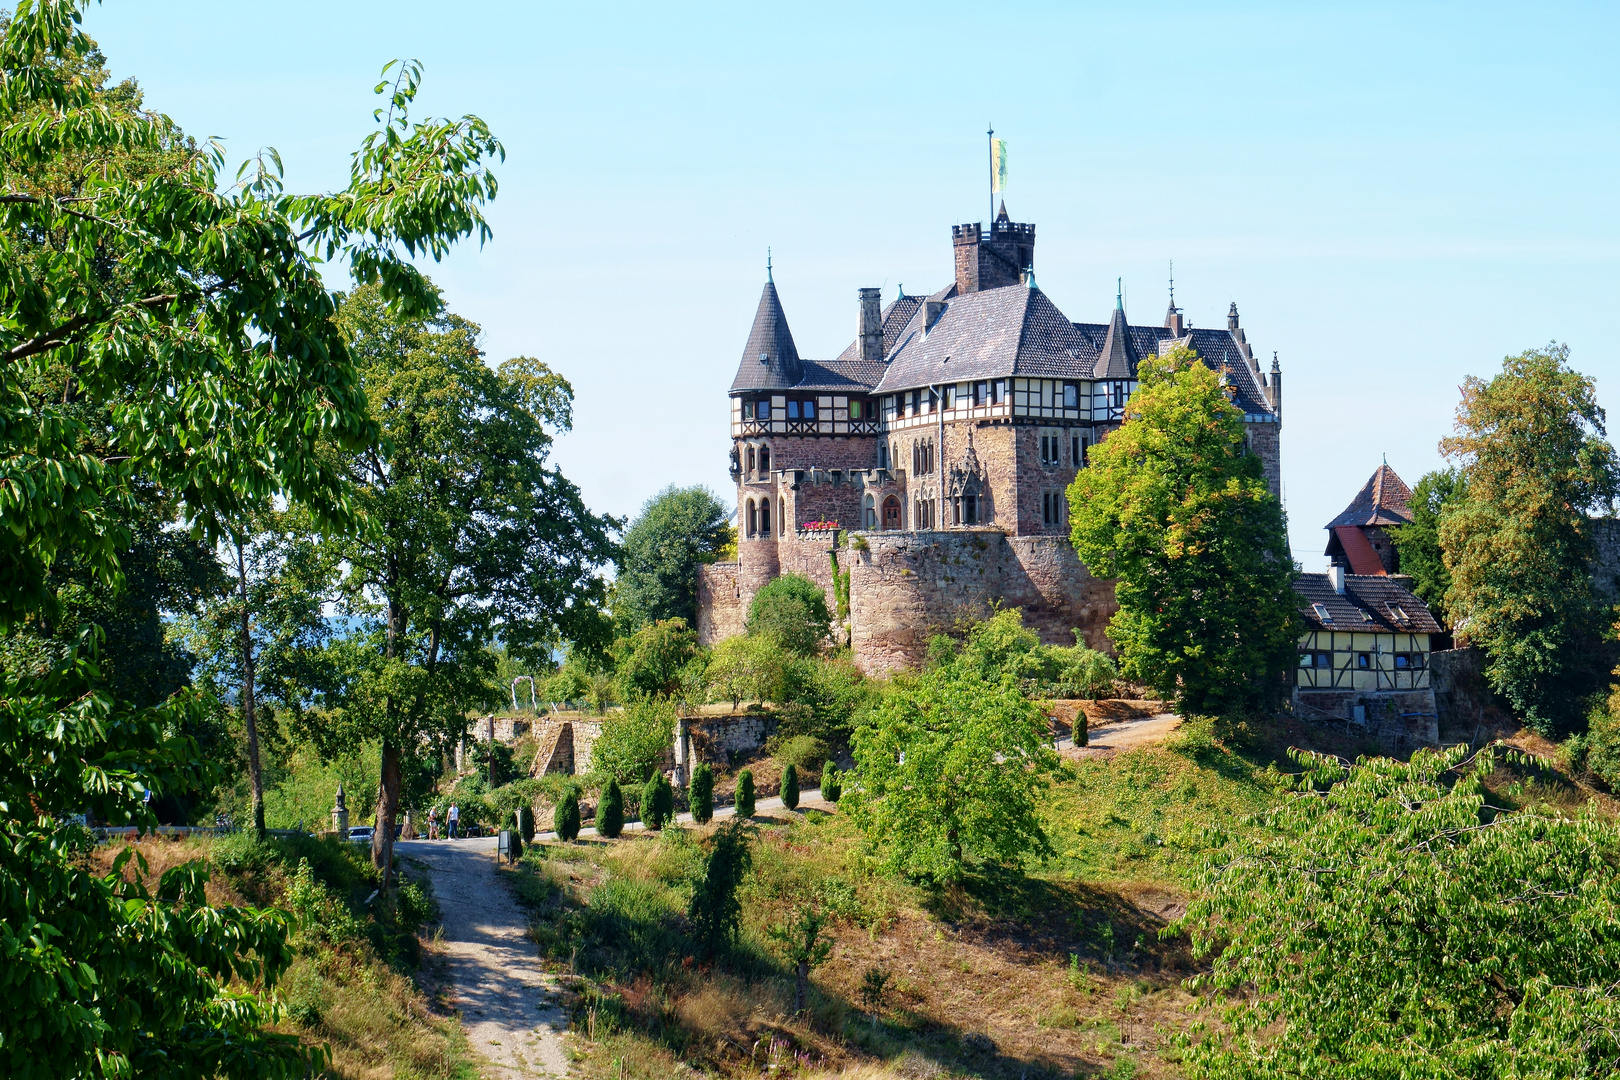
941, 442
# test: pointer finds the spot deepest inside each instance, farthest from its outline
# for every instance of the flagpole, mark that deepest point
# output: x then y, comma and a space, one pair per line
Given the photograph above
990, 155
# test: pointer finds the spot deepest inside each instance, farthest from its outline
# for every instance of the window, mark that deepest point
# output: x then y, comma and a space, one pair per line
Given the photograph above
1052, 506
883, 455
999, 393
750, 460
981, 392
1364, 661
763, 410
748, 410
891, 512
970, 509
1321, 613
1409, 661
871, 512
1051, 450
809, 410
753, 518
933, 400
854, 410
1071, 398
765, 518
781, 517
764, 459
1320, 660
950, 397
1077, 453
793, 410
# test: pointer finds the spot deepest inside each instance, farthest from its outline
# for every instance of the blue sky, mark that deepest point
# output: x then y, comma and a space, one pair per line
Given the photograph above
1395, 195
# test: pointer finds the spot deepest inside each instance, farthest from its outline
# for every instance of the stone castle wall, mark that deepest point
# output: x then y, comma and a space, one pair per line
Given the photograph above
907, 587
1266, 442
1606, 563
721, 612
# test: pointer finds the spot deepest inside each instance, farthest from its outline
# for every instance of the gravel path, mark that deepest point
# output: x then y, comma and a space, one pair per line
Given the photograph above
507, 1003
1109, 739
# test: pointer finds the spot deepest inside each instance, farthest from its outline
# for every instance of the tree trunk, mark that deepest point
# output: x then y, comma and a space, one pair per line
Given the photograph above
250, 718
801, 989
382, 837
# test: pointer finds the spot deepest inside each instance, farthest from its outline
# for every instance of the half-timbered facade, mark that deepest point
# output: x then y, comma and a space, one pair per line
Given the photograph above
1365, 632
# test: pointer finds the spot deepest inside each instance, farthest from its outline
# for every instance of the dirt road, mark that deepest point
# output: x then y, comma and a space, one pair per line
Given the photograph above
507, 1003
1108, 739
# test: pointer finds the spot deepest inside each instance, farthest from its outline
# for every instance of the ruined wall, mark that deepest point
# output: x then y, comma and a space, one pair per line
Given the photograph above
1399, 721
713, 738
721, 610
906, 587
1460, 692
1606, 564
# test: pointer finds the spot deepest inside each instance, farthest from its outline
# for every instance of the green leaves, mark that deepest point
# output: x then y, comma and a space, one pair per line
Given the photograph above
1400, 925
1176, 508
949, 766
677, 531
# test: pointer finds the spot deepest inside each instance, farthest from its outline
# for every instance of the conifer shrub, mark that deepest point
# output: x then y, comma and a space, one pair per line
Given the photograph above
701, 793
790, 787
565, 820
715, 909
525, 823
832, 785
745, 794
657, 802
610, 814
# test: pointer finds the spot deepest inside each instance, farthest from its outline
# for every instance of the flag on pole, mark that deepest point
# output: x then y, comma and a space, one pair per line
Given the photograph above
998, 165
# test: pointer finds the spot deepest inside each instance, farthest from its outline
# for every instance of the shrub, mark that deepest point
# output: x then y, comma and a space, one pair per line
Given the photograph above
792, 612
748, 669
701, 793
610, 814
653, 658
800, 751
745, 793
714, 909
566, 817
525, 823
657, 802
634, 740
831, 786
790, 787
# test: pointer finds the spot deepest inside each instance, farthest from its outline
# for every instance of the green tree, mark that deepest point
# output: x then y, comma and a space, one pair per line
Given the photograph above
802, 945
1519, 546
473, 537
832, 786
790, 787
714, 908
655, 657
701, 793
565, 819
791, 611
657, 802
1177, 510
610, 813
1393, 922
634, 740
748, 669
949, 765
745, 794
1418, 542
189, 331
677, 531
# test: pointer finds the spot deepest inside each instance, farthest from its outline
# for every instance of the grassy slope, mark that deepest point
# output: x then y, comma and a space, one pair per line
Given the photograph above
1058, 972
351, 986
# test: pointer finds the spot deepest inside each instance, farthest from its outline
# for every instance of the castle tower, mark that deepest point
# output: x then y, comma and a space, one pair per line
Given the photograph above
1358, 538
770, 360
995, 261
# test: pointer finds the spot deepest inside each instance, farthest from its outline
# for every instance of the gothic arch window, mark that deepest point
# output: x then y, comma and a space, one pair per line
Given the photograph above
891, 512
750, 461
765, 517
870, 517
753, 518
764, 459
781, 515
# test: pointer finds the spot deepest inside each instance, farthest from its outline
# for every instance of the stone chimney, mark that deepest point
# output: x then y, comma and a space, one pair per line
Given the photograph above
1274, 386
1336, 578
932, 310
870, 331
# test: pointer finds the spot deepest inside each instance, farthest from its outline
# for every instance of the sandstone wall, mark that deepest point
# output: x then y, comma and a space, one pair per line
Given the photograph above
1399, 721
1266, 441
906, 587
720, 605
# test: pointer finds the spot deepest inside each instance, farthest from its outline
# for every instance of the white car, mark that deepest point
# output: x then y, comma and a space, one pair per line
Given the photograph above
360, 834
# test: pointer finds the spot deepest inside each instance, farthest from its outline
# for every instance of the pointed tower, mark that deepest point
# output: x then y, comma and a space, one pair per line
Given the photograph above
1173, 321
1118, 357
993, 261
1359, 538
770, 361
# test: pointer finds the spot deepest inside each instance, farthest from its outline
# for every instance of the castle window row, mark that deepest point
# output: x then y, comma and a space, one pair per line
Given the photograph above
758, 516
804, 409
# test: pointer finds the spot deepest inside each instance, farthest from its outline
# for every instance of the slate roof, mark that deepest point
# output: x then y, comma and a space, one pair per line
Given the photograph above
840, 375
895, 318
1369, 603
995, 333
770, 360
1383, 500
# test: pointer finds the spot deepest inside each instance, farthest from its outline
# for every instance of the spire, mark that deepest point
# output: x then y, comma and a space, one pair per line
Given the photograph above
1232, 317
1172, 316
769, 279
770, 360
1002, 215
1118, 357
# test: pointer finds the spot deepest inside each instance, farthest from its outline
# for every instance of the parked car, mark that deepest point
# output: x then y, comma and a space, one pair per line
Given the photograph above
360, 834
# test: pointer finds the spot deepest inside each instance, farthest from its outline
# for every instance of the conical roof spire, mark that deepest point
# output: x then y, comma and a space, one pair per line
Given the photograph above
1118, 357
770, 361
1002, 215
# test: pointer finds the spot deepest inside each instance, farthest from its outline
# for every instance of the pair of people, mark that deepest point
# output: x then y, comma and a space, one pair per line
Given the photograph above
453, 818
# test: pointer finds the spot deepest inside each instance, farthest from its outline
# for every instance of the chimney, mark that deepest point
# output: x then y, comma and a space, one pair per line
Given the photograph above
932, 310
870, 332
1336, 579
1232, 317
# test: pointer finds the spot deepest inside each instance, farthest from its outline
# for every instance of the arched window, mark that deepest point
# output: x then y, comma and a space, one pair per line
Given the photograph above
891, 512
753, 518
765, 517
764, 459
871, 512
781, 516
750, 461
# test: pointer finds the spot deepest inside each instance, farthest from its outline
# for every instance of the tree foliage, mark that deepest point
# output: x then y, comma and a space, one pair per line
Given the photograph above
790, 787
1418, 542
565, 819
950, 766
791, 611
1002, 647
657, 802
634, 740
655, 658
610, 811
1519, 547
801, 944
1396, 923
472, 536
1177, 510
714, 909
700, 793
745, 794
747, 668
677, 531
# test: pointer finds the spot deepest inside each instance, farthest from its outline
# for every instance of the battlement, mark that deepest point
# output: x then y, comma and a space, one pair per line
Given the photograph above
966, 234
1012, 230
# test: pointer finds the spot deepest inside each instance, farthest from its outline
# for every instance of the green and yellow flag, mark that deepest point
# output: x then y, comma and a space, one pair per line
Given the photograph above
998, 165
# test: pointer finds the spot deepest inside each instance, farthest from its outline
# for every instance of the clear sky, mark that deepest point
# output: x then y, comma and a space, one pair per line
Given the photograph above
1396, 195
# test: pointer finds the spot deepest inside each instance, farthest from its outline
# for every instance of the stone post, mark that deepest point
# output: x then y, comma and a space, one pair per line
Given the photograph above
340, 814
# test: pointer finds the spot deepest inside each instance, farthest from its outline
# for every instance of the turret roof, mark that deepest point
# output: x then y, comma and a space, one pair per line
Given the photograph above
1383, 500
770, 361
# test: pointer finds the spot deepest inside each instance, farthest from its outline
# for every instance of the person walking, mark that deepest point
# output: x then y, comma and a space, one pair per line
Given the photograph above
455, 819
433, 823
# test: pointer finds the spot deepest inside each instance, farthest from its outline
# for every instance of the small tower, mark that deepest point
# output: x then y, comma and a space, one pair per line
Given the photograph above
1118, 358
869, 332
1173, 320
1358, 538
770, 360
995, 261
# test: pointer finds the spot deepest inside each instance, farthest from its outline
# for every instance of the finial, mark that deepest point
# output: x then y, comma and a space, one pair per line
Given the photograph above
902, 288
1029, 279
1386, 461
768, 276
1172, 283
1119, 294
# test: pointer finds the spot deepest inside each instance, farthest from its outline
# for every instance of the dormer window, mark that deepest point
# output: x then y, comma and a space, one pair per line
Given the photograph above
1322, 613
